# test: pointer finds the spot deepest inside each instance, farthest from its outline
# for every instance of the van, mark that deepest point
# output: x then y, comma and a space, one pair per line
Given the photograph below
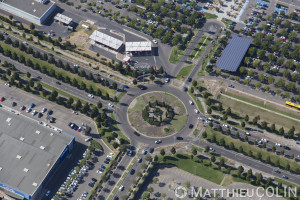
88, 139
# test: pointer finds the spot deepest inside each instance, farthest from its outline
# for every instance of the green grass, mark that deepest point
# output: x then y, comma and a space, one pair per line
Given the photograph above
284, 182
200, 47
184, 162
178, 122
197, 101
226, 22
185, 71
175, 55
261, 105
57, 70
246, 147
210, 16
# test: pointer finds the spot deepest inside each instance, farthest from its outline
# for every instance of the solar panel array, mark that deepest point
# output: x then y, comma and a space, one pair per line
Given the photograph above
62, 18
106, 40
233, 54
138, 46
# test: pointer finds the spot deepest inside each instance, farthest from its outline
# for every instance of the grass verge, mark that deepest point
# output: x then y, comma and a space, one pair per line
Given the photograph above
175, 55
200, 47
184, 72
197, 101
210, 16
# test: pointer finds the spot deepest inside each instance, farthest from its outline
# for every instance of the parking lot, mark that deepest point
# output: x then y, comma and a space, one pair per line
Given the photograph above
62, 117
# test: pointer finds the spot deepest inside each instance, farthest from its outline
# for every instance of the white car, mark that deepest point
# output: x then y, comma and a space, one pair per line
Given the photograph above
191, 102
7, 84
44, 110
264, 140
200, 118
212, 149
28, 110
167, 80
246, 133
74, 112
90, 95
277, 144
121, 188
110, 105
196, 111
34, 112
154, 41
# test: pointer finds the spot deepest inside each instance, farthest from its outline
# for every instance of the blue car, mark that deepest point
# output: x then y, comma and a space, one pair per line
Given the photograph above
102, 166
32, 105
125, 86
75, 127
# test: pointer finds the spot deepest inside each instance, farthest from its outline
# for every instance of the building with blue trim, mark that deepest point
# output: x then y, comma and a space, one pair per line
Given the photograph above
30, 153
35, 11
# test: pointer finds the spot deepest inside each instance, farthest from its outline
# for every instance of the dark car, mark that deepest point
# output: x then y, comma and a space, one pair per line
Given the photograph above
49, 112
93, 179
40, 115
189, 79
151, 150
179, 138
191, 126
132, 171
13, 104
142, 87
185, 89
106, 161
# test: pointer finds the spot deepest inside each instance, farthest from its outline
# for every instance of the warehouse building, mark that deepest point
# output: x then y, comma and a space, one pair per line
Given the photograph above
30, 153
35, 11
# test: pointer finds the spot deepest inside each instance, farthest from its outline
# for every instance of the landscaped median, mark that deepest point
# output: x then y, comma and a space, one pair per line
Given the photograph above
200, 47
105, 175
184, 72
175, 55
112, 194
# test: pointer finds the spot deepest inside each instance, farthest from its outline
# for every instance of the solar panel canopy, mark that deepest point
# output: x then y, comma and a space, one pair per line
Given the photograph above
233, 54
138, 46
106, 40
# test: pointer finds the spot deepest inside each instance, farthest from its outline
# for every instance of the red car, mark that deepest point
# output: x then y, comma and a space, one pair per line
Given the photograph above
2, 99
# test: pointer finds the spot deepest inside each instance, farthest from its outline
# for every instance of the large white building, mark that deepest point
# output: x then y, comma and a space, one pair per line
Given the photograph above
35, 11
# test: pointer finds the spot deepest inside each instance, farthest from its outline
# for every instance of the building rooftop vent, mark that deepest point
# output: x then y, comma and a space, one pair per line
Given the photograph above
37, 132
25, 170
34, 184
51, 134
42, 147
22, 139
19, 157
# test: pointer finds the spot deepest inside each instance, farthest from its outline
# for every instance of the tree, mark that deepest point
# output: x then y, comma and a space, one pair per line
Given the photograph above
273, 128
152, 77
281, 131
162, 152
32, 26
259, 178
173, 150
194, 151
213, 158
246, 118
146, 195
291, 132
206, 148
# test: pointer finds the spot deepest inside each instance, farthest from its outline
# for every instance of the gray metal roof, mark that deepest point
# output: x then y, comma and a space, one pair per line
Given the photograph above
233, 54
30, 6
28, 151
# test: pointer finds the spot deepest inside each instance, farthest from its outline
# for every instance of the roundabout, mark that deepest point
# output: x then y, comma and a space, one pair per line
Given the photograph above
136, 136
157, 114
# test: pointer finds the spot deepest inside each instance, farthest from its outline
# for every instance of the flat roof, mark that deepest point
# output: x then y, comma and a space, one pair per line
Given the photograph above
30, 6
28, 151
233, 54
106, 40
62, 18
138, 46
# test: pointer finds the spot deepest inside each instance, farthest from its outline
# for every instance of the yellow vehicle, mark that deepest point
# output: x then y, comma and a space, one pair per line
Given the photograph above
292, 105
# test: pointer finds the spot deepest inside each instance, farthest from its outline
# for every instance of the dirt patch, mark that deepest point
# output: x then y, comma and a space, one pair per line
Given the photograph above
139, 104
